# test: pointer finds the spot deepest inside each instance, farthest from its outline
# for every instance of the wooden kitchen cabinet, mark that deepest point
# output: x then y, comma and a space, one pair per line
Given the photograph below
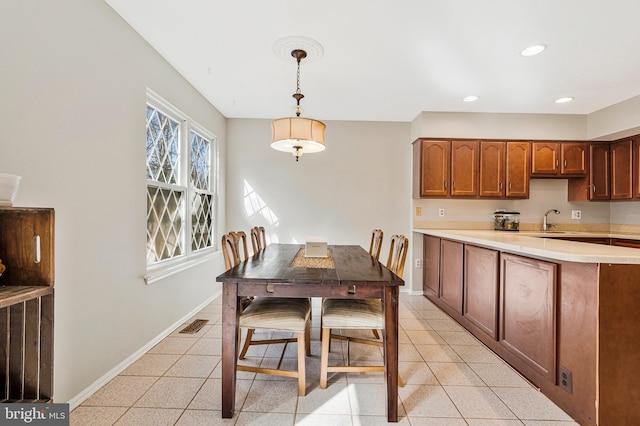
480, 290
464, 168
445, 168
504, 169
431, 266
431, 168
622, 170
528, 312
26, 304
451, 270
574, 158
636, 167
559, 159
599, 172
596, 185
517, 169
492, 165
545, 158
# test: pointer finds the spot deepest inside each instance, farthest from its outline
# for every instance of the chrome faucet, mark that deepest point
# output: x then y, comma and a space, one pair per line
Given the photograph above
546, 225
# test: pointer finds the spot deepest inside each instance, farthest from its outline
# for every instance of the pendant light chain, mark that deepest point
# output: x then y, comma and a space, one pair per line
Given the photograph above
299, 55
298, 78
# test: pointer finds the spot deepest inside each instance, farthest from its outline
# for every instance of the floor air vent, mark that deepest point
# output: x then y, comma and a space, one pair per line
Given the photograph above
194, 327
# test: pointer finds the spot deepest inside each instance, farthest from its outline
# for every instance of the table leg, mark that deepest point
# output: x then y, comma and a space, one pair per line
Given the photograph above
390, 303
230, 316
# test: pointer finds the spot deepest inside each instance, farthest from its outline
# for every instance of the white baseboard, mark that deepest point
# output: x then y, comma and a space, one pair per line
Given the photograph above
91, 389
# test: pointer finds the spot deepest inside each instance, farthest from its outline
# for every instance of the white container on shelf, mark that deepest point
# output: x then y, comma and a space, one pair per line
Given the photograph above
8, 188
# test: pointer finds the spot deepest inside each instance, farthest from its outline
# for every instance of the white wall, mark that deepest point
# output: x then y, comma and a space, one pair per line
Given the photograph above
615, 121
72, 124
360, 182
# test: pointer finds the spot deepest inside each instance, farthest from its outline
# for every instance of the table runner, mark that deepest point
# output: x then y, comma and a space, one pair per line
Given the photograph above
312, 262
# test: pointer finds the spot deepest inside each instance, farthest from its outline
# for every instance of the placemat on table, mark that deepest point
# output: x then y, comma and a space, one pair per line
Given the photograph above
312, 262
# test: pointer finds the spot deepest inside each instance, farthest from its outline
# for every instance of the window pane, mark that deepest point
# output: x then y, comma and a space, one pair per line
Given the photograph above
164, 224
163, 141
199, 168
201, 221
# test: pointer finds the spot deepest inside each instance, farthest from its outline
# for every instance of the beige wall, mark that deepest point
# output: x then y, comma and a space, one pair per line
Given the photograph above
74, 77
616, 121
499, 126
360, 182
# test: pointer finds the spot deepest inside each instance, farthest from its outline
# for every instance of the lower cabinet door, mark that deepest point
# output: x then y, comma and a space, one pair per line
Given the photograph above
451, 274
527, 312
431, 266
481, 283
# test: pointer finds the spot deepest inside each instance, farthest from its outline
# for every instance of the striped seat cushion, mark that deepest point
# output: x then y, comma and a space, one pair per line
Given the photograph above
274, 313
352, 314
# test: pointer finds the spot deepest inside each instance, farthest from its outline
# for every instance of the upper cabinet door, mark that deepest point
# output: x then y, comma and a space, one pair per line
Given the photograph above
517, 169
636, 167
464, 169
545, 159
573, 159
492, 169
434, 168
621, 170
599, 182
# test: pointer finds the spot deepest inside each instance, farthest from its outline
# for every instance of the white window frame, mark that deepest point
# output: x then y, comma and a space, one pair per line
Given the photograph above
189, 258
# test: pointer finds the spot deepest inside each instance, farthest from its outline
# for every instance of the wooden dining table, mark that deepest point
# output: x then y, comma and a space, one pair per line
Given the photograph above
271, 273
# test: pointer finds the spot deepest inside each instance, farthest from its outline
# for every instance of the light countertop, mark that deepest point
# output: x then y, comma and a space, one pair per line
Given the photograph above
545, 245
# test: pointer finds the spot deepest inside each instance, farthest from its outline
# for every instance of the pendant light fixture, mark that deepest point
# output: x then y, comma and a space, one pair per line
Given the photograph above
298, 135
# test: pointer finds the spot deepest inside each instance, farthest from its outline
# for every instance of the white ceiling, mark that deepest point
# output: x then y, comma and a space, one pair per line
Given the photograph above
389, 60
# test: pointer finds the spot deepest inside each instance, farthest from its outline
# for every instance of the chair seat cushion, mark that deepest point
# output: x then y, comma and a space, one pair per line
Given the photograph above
275, 313
352, 314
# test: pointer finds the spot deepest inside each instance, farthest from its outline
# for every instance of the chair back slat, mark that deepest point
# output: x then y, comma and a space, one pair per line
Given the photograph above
376, 243
398, 254
258, 239
231, 244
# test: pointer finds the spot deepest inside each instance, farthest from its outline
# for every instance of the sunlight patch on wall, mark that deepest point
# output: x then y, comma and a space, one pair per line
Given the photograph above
255, 206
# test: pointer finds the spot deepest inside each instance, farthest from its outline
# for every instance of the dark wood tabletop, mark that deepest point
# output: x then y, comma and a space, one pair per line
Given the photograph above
270, 274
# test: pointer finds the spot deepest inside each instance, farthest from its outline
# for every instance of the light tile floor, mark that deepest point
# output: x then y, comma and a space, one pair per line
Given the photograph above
450, 379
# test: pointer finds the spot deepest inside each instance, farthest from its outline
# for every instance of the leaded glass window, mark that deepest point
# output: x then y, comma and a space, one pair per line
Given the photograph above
180, 200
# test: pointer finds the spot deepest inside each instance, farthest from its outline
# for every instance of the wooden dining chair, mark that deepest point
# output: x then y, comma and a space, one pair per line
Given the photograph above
258, 239
272, 314
376, 243
358, 314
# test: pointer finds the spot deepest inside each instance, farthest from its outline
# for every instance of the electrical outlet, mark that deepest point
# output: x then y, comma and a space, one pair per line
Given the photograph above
441, 212
418, 211
576, 214
566, 379
418, 263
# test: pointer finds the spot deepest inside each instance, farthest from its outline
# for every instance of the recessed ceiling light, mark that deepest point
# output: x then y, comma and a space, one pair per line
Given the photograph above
533, 50
564, 100
470, 98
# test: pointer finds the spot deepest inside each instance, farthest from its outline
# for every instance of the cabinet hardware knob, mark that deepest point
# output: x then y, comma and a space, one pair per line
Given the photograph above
500, 185
556, 164
509, 185
445, 185
454, 184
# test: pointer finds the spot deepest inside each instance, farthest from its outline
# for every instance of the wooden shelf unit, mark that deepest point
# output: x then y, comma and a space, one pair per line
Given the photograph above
26, 304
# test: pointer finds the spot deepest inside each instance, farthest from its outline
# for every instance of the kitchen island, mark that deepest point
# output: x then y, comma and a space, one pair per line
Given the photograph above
563, 313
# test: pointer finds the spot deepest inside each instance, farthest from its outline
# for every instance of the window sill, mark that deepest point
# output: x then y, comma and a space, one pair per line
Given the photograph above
166, 271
